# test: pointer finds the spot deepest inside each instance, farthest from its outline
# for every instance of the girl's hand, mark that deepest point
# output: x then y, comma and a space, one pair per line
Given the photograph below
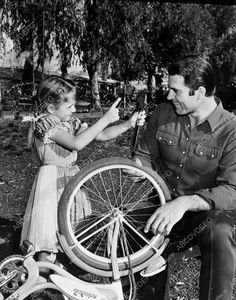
138, 118
76, 123
83, 127
112, 114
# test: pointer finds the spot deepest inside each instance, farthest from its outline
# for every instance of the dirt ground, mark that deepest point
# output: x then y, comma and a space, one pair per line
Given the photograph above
18, 167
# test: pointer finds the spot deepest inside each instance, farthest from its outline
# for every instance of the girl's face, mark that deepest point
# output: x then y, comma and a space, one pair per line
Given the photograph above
65, 110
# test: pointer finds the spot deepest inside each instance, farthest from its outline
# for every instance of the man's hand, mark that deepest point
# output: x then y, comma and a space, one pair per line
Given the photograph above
167, 215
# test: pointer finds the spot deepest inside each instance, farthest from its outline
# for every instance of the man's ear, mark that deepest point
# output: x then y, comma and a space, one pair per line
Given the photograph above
201, 92
50, 108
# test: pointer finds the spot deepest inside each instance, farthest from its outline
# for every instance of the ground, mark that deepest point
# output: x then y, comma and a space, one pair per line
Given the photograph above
18, 167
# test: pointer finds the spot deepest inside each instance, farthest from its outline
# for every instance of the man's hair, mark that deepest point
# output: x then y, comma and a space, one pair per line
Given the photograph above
196, 71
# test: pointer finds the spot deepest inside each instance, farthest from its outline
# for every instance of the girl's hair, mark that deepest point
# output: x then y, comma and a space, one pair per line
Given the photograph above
53, 90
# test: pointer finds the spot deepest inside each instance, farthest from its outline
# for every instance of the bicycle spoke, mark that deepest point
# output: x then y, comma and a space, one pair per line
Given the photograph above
99, 245
147, 193
148, 205
129, 241
136, 192
113, 188
103, 200
122, 201
100, 175
140, 235
94, 240
97, 231
93, 225
138, 222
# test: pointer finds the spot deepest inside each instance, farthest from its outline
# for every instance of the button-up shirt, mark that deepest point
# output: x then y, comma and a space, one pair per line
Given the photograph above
199, 160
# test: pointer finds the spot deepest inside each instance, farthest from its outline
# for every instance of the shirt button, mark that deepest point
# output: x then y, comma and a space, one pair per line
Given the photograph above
174, 190
201, 152
188, 125
183, 152
187, 139
181, 165
177, 177
213, 155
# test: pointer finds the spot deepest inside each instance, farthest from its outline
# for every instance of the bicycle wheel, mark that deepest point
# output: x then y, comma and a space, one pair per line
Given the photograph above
115, 195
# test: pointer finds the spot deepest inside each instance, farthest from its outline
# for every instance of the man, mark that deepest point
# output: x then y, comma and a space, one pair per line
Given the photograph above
193, 140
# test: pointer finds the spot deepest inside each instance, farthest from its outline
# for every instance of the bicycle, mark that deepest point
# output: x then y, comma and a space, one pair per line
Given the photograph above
109, 242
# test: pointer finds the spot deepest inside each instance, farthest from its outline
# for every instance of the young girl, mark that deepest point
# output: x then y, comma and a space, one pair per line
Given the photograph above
58, 138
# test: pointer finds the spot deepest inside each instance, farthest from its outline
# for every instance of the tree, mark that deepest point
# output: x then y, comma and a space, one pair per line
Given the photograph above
177, 30
224, 52
114, 35
43, 26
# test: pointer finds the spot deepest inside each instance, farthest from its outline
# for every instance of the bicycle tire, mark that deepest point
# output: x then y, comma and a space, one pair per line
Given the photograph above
78, 253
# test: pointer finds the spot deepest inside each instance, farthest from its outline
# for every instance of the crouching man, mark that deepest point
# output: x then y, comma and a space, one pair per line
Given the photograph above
193, 139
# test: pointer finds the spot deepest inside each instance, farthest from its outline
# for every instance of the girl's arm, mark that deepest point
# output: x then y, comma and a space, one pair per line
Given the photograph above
81, 140
115, 130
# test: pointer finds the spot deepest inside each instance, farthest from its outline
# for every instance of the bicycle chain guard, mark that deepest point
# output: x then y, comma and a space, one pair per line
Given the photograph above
12, 274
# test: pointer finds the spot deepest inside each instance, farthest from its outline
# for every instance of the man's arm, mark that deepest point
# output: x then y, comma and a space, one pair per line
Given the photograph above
220, 197
223, 195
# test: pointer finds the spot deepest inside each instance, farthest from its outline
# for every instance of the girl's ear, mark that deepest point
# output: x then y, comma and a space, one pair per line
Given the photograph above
50, 108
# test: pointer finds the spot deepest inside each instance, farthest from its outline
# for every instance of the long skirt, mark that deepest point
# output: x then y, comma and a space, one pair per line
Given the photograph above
40, 221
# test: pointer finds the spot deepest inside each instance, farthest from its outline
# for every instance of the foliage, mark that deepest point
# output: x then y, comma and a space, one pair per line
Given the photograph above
225, 51
134, 38
43, 26
177, 30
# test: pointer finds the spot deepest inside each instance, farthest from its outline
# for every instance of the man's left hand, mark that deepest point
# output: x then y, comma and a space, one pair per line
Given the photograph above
167, 215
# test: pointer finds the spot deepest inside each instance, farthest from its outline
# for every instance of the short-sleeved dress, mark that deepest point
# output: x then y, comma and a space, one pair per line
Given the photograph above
58, 165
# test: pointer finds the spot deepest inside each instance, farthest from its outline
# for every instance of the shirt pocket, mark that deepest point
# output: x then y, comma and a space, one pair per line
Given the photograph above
207, 152
167, 145
166, 138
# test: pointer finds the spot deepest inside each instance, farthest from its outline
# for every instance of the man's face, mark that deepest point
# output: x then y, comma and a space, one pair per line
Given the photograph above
179, 95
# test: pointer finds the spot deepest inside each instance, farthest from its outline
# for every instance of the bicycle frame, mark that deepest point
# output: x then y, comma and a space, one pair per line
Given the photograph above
64, 282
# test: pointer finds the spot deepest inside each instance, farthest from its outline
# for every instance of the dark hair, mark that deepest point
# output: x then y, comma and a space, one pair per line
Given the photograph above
53, 90
196, 71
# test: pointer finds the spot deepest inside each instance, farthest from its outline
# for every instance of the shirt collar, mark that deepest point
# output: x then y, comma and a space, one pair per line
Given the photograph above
214, 117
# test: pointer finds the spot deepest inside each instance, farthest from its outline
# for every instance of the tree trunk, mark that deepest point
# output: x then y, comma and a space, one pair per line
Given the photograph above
63, 70
124, 98
105, 68
150, 86
93, 76
1, 31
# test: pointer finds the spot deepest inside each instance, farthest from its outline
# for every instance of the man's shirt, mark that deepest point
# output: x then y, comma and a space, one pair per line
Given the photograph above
200, 160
